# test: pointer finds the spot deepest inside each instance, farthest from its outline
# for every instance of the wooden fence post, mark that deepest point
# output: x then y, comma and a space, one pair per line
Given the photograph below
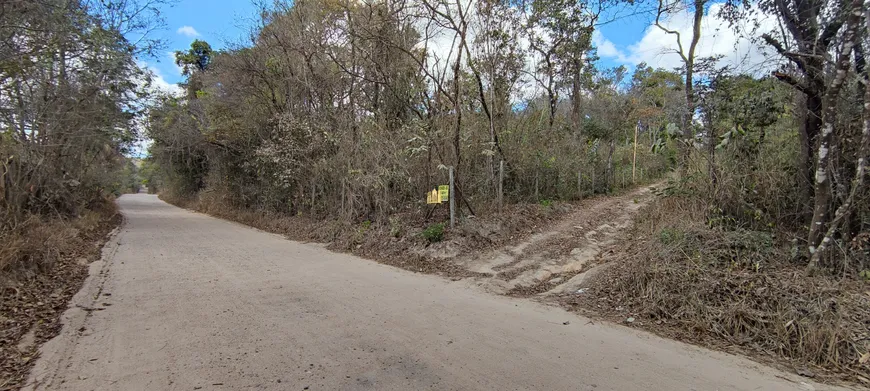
500, 185
452, 197
634, 156
579, 185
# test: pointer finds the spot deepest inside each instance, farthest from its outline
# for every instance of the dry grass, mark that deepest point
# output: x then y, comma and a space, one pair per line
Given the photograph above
398, 241
735, 289
36, 244
44, 263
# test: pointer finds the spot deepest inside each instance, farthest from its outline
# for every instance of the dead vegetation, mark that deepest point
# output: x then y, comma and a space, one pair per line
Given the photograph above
44, 262
734, 289
398, 241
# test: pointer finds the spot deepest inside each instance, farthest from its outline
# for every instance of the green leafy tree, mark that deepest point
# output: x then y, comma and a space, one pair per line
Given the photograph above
196, 59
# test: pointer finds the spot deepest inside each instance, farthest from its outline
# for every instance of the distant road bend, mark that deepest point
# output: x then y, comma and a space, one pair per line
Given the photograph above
184, 301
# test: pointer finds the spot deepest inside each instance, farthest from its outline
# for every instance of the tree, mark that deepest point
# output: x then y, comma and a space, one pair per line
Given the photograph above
809, 28
354, 109
822, 225
658, 96
816, 40
193, 62
497, 66
697, 8
71, 93
196, 59
560, 35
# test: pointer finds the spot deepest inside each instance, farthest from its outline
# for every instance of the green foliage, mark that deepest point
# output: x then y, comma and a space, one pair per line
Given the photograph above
594, 129
196, 59
434, 233
746, 107
671, 235
126, 180
758, 186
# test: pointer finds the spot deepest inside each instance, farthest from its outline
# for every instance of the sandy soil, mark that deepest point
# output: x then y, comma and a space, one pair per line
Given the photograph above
183, 301
560, 258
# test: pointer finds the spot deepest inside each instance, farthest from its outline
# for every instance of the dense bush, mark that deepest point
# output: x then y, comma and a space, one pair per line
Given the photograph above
434, 233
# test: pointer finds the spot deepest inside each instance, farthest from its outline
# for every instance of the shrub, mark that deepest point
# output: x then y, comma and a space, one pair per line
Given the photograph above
434, 233
395, 227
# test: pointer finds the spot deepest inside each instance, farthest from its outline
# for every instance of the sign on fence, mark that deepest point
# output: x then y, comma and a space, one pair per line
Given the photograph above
438, 195
444, 192
432, 197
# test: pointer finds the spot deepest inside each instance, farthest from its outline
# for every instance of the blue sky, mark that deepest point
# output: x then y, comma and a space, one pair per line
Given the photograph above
623, 40
217, 22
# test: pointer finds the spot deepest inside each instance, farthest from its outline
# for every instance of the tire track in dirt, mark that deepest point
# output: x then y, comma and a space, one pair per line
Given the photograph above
561, 258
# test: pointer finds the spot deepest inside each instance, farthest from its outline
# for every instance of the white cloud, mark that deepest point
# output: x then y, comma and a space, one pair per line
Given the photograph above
188, 31
171, 57
607, 49
158, 84
658, 48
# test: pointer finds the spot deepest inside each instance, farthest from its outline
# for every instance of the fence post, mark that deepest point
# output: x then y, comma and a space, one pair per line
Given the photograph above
452, 200
593, 181
500, 185
579, 185
634, 155
342, 195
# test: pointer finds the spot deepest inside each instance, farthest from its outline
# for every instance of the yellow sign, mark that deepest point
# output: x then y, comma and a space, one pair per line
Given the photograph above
438, 195
432, 197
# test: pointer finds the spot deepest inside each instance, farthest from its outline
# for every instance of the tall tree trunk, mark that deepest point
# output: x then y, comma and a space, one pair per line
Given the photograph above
810, 131
823, 197
689, 62
457, 90
552, 99
575, 97
845, 210
688, 133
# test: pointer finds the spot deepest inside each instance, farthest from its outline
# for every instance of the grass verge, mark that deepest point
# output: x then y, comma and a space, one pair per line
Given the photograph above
735, 290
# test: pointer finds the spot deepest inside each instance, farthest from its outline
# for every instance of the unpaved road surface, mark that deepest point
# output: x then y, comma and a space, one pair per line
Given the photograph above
557, 259
183, 301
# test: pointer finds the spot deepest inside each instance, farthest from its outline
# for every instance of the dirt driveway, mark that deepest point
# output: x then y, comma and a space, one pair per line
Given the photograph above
183, 301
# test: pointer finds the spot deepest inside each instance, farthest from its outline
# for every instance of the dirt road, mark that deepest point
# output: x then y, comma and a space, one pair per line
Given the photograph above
184, 301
